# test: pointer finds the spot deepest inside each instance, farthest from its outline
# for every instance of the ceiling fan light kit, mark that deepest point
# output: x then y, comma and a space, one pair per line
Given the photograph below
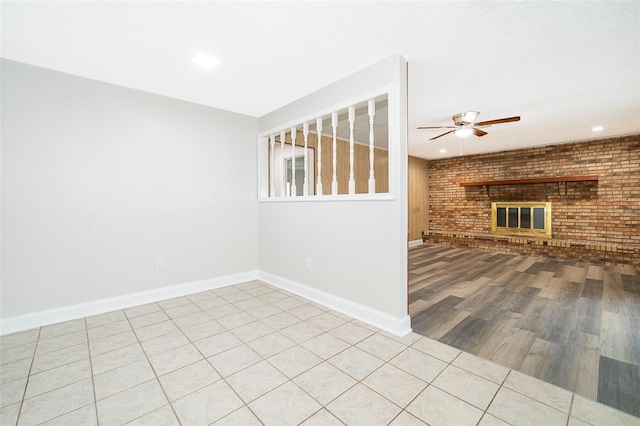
465, 124
463, 132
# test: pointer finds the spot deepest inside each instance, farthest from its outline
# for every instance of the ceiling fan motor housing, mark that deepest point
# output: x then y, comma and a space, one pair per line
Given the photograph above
465, 118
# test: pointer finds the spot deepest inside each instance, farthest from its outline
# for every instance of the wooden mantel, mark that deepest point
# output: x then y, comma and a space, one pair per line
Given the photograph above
532, 180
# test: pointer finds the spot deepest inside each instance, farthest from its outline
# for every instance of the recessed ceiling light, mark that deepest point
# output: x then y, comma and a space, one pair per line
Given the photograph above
205, 60
597, 128
442, 151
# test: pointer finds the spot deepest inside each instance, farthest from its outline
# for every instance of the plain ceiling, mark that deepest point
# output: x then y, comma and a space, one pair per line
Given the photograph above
564, 67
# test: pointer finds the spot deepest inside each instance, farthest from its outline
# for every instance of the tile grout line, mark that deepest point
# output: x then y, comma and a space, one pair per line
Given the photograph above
244, 404
152, 369
132, 330
386, 362
449, 364
299, 344
537, 400
170, 318
93, 382
289, 380
573, 395
222, 377
300, 320
24, 393
486, 411
53, 368
403, 409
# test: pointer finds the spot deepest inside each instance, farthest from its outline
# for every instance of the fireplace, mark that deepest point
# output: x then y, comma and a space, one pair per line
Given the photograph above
530, 219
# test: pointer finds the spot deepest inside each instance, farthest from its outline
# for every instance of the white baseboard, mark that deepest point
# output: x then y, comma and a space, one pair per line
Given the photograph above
415, 243
66, 313
396, 325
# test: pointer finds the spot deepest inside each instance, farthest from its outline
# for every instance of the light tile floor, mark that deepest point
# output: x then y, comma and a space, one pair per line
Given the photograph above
253, 354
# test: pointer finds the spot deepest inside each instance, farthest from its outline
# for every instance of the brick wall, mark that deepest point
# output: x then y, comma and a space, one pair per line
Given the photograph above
602, 214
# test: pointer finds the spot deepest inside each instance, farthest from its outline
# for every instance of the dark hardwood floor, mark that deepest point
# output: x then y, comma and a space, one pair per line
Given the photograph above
572, 324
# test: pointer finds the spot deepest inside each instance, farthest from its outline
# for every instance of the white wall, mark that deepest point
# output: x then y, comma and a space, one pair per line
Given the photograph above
358, 249
99, 181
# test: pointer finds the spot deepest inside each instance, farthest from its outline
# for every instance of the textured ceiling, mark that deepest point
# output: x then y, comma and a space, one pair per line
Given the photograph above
564, 67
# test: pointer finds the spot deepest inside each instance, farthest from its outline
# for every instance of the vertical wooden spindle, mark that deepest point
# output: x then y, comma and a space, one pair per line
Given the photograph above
334, 181
272, 184
283, 172
352, 180
319, 130
372, 180
293, 161
305, 134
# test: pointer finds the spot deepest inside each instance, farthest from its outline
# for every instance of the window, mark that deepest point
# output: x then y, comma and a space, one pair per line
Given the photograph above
523, 219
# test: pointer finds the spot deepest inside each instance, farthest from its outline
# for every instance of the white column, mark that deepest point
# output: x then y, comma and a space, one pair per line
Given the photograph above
334, 181
319, 130
283, 172
293, 161
372, 180
352, 180
305, 134
272, 184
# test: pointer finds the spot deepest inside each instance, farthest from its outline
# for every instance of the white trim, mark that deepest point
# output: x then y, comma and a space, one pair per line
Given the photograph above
399, 326
66, 313
415, 243
382, 196
324, 112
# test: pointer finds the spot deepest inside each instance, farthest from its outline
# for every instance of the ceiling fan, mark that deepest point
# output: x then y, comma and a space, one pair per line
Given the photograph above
465, 124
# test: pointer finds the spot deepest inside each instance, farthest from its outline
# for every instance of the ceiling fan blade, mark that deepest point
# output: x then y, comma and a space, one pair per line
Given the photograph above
436, 127
479, 132
439, 136
497, 121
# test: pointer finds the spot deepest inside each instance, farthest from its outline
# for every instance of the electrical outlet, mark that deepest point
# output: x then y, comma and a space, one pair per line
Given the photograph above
160, 265
308, 264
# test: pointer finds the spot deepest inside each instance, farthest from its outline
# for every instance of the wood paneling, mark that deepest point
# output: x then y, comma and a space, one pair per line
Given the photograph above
360, 164
418, 197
